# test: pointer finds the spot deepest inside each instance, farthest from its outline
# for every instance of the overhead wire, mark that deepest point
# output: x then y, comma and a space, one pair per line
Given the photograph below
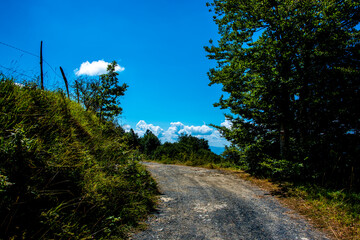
8, 45
16, 71
32, 54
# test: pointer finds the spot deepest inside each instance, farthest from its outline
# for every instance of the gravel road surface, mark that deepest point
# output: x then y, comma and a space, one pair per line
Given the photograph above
198, 203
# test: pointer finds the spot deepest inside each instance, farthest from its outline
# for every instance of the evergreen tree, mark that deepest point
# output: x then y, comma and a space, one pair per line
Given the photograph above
109, 92
133, 139
101, 95
291, 71
149, 143
193, 144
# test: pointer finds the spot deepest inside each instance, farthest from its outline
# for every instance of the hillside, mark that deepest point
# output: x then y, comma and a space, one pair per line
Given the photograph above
64, 174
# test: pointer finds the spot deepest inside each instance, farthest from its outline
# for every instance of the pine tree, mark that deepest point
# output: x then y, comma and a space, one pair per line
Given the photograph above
291, 73
109, 92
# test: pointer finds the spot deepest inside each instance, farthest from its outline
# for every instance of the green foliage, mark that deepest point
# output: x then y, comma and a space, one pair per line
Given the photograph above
62, 174
149, 143
188, 150
102, 95
109, 93
234, 157
86, 92
133, 139
291, 73
346, 203
191, 143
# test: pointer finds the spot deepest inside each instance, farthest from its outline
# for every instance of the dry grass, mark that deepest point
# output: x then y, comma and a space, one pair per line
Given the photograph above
335, 222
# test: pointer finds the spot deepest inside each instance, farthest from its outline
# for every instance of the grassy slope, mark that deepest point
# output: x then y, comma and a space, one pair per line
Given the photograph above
64, 175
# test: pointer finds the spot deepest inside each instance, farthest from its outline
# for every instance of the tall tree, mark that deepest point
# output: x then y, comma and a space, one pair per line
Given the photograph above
291, 71
87, 92
101, 95
133, 139
193, 144
109, 92
149, 143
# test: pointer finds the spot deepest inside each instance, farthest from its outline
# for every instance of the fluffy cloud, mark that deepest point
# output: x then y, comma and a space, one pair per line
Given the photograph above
95, 68
177, 128
172, 133
227, 124
197, 130
215, 139
142, 126
126, 127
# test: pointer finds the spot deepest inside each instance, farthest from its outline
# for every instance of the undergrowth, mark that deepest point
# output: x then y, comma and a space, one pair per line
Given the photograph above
64, 174
336, 210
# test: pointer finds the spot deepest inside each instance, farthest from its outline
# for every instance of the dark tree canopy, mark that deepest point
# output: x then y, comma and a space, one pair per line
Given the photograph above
191, 143
291, 71
133, 139
149, 143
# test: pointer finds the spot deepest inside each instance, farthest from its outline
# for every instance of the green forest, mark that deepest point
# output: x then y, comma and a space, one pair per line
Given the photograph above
289, 72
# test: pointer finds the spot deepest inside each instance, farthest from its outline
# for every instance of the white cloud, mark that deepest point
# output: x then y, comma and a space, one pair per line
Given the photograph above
172, 133
126, 127
95, 68
142, 126
197, 130
177, 128
227, 124
215, 139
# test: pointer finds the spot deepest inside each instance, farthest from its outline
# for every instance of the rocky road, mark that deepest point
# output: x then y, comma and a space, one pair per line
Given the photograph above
198, 203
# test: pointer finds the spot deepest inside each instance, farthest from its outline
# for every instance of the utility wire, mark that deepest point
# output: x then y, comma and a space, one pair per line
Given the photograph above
16, 71
52, 69
20, 49
32, 54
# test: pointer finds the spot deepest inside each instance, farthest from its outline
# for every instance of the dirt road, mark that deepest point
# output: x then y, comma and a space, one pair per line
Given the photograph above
199, 203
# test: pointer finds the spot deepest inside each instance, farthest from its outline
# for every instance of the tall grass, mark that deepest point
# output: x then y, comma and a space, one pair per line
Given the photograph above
63, 173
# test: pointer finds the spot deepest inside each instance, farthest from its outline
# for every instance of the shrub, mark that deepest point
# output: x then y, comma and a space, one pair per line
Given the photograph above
63, 173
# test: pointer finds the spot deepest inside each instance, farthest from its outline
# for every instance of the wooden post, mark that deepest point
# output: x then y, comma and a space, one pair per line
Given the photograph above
41, 67
65, 80
77, 90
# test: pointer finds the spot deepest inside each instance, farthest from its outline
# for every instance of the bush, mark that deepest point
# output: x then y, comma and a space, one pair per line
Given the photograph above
63, 173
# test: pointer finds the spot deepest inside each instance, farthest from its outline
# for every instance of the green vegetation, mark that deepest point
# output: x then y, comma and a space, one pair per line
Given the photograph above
290, 71
64, 173
101, 95
187, 150
337, 211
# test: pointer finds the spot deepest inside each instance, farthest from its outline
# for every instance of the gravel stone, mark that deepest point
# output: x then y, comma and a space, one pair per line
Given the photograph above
198, 203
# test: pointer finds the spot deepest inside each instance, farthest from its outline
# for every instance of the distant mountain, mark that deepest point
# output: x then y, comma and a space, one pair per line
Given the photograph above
217, 150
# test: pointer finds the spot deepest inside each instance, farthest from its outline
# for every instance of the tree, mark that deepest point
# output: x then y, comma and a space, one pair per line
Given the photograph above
291, 71
109, 93
86, 91
101, 95
149, 143
193, 144
133, 139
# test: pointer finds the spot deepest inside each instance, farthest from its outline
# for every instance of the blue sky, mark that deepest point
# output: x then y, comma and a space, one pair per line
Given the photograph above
158, 45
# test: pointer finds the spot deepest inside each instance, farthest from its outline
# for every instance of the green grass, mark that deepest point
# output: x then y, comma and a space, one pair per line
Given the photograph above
63, 173
337, 210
